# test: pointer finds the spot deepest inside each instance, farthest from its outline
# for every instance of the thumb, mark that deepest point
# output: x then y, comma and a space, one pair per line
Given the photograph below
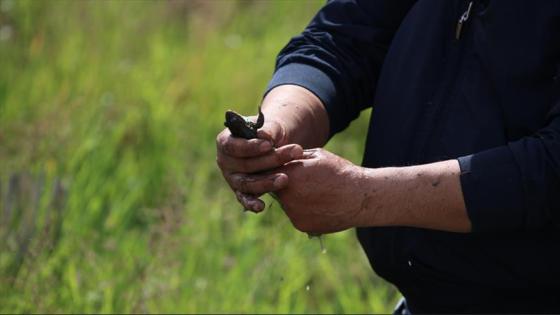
273, 131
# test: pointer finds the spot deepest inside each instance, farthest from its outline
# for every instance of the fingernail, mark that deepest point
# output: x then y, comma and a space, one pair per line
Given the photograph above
265, 146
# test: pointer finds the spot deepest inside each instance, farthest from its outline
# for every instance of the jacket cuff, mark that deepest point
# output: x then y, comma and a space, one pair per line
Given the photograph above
314, 80
493, 190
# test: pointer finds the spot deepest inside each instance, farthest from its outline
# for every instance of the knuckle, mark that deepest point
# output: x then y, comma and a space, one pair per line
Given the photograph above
220, 140
243, 183
228, 148
233, 180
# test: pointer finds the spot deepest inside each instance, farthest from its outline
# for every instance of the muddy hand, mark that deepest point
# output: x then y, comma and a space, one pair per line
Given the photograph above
243, 162
321, 195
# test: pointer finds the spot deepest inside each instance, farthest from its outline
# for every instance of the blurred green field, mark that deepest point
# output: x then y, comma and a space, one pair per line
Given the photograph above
110, 200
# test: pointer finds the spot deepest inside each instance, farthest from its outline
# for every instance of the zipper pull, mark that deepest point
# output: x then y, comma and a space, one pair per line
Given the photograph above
462, 20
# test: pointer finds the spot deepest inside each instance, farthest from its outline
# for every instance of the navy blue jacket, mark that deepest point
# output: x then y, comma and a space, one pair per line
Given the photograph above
488, 95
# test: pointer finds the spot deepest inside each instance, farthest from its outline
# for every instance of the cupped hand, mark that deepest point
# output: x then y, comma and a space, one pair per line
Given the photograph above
246, 164
325, 192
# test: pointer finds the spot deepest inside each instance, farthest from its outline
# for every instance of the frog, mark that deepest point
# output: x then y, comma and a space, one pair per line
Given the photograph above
241, 126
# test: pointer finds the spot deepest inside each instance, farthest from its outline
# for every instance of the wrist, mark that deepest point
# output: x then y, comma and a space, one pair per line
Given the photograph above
374, 208
300, 115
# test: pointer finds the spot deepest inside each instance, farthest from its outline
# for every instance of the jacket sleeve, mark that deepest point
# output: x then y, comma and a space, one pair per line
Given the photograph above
516, 186
339, 55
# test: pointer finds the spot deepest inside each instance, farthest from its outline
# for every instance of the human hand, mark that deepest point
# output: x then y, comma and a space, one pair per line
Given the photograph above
243, 161
325, 192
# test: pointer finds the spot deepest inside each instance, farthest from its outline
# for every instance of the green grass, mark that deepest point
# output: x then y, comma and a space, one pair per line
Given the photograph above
117, 103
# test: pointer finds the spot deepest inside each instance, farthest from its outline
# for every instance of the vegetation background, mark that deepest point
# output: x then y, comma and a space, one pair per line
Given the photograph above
110, 200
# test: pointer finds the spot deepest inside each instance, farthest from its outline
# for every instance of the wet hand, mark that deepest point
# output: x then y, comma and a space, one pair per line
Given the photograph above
244, 162
324, 194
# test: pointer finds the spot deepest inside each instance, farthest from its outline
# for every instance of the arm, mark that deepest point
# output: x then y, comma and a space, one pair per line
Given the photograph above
511, 187
424, 196
335, 61
318, 60
327, 194
514, 187
338, 57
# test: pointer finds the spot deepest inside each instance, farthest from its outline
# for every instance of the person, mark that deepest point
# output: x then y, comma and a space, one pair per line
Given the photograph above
457, 201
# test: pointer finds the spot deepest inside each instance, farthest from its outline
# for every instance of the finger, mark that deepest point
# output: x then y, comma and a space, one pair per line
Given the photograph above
310, 153
309, 158
274, 132
258, 184
273, 159
239, 147
292, 166
249, 202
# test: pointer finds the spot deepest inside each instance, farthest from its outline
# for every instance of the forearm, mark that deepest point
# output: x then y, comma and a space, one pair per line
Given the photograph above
300, 113
424, 196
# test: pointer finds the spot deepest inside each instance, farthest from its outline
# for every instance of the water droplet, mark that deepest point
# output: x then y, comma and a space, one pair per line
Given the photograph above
323, 248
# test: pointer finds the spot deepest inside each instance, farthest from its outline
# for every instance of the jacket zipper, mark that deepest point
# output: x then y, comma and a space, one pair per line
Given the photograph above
462, 21
452, 73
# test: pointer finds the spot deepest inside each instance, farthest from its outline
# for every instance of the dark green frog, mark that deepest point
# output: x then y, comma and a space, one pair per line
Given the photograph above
242, 127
